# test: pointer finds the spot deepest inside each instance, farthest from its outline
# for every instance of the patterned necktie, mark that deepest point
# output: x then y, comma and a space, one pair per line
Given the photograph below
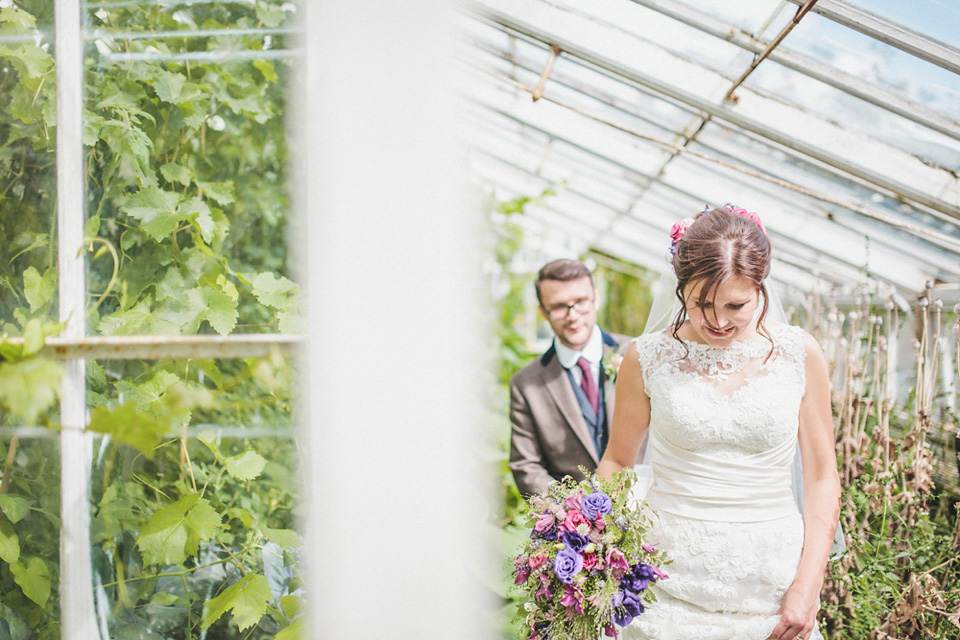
588, 385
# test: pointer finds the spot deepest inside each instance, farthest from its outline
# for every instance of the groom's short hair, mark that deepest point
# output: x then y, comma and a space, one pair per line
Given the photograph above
562, 270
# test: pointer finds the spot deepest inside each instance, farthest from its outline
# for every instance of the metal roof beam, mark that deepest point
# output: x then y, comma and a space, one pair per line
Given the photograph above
896, 35
810, 67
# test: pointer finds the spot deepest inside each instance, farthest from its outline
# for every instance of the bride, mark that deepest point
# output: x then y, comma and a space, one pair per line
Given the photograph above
723, 399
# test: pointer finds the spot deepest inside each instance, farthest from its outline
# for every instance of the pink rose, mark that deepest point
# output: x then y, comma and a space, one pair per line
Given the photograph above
589, 561
544, 522
537, 560
679, 228
573, 520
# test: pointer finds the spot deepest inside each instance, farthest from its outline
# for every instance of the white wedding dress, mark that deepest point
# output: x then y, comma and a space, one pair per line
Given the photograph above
723, 435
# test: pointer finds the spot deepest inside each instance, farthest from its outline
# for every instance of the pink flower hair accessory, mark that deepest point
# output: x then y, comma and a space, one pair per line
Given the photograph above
743, 213
677, 231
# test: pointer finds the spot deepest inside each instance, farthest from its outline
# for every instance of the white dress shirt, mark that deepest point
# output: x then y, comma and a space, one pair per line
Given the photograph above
593, 352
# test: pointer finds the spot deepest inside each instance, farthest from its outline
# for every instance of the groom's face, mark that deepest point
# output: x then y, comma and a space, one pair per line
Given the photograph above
570, 306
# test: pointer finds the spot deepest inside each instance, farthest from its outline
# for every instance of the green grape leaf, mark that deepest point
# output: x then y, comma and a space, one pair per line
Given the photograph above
221, 310
156, 210
296, 631
291, 605
173, 172
197, 210
247, 599
164, 538
286, 538
129, 425
34, 580
267, 69
168, 85
21, 20
30, 387
176, 531
246, 466
33, 337
219, 192
164, 599
272, 291
39, 289
202, 524
271, 16
9, 543
14, 507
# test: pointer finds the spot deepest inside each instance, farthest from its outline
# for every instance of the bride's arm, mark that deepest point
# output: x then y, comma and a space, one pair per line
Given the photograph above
821, 490
631, 416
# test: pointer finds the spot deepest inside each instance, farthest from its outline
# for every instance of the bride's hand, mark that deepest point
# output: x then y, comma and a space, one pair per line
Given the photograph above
798, 615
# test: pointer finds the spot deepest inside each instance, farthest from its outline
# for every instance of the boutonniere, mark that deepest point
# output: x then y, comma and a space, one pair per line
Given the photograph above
611, 364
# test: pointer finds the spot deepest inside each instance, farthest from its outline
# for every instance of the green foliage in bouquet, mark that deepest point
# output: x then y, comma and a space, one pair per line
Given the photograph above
586, 567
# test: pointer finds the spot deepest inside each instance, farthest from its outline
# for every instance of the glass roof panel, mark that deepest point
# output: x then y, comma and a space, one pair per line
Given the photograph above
671, 35
938, 19
878, 62
855, 114
756, 17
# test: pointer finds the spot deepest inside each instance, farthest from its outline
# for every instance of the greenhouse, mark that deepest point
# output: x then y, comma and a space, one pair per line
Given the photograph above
268, 272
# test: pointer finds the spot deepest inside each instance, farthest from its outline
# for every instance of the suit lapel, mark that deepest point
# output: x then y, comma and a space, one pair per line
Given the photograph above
558, 385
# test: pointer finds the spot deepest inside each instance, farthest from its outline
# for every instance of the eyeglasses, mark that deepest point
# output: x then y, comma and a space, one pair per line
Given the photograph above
560, 311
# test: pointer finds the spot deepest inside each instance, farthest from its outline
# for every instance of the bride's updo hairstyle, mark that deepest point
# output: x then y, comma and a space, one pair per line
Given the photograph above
719, 244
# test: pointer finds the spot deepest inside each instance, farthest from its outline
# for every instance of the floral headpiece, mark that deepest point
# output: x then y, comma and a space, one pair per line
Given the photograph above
678, 229
743, 213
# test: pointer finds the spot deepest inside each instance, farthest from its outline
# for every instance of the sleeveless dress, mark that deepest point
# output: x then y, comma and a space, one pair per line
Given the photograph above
722, 439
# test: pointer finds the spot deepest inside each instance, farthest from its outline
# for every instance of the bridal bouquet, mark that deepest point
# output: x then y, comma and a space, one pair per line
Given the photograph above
586, 568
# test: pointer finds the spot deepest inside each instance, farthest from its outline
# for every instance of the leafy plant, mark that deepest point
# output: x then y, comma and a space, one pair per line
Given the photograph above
193, 530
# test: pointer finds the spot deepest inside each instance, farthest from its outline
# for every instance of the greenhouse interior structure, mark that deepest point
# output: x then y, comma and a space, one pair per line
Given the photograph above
268, 269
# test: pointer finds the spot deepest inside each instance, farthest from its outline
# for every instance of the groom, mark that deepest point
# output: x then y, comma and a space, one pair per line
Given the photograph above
561, 404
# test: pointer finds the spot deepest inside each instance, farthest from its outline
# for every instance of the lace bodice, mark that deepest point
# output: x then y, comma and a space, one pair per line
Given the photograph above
724, 401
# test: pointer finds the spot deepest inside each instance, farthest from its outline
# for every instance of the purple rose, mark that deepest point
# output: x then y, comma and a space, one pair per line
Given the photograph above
596, 504
567, 564
574, 541
626, 607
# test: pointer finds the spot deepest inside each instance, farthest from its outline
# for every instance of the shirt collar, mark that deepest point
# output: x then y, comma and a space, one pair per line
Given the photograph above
593, 352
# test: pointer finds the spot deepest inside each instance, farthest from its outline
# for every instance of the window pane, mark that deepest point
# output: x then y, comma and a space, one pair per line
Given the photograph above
27, 167
187, 156
193, 497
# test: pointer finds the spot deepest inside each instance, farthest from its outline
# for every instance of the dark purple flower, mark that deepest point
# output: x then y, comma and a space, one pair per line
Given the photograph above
596, 504
522, 575
567, 564
550, 534
574, 541
626, 607
638, 578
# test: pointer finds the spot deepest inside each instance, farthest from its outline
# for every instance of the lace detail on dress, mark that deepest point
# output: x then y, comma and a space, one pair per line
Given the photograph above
726, 581
723, 399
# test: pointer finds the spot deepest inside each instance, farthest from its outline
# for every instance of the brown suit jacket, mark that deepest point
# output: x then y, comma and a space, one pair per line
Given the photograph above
549, 437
